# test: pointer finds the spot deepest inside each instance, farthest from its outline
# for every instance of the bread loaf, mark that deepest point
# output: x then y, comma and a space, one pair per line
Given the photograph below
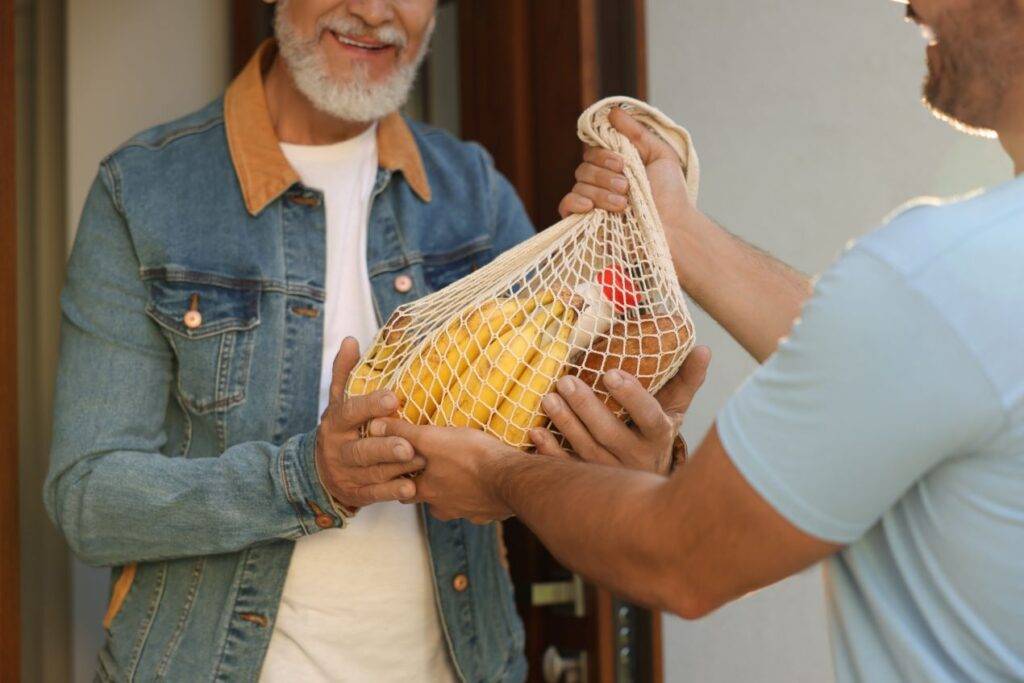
643, 348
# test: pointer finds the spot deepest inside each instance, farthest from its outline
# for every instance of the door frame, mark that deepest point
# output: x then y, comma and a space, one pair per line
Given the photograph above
10, 549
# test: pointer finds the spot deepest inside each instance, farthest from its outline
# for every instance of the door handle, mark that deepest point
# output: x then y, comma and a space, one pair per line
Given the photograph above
558, 669
570, 592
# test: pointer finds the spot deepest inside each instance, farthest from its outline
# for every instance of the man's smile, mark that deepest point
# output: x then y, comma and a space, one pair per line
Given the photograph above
362, 46
362, 42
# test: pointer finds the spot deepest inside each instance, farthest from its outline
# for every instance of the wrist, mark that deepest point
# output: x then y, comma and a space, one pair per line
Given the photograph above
498, 475
690, 236
302, 485
341, 509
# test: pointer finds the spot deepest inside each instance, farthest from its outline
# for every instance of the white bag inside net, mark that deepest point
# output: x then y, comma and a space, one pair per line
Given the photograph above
592, 293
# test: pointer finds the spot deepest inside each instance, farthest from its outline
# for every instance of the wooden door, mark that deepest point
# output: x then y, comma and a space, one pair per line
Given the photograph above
528, 68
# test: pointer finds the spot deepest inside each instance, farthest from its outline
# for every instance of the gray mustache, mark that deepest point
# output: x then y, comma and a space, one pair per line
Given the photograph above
391, 35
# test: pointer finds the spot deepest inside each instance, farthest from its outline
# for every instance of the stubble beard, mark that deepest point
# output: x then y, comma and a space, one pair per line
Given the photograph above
975, 65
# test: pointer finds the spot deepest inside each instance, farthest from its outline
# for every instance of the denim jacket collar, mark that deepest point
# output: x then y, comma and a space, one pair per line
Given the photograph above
262, 170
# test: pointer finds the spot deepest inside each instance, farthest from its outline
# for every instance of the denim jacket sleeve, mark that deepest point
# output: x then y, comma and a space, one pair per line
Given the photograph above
111, 489
508, 215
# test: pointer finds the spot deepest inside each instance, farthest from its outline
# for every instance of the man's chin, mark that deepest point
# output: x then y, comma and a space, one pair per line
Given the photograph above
360, 99
363, 81
960, 93
951, 112
366, 73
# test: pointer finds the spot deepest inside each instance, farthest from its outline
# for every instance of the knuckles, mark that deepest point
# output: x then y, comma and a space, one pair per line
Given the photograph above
350, 410
380, 472
332, 443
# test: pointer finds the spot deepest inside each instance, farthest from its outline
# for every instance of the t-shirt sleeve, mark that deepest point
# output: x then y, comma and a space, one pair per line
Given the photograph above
870, 391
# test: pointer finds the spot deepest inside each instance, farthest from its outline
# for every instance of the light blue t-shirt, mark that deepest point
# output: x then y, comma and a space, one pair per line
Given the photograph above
892, 420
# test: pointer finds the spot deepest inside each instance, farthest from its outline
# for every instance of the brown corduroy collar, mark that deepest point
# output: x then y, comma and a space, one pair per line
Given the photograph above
262, 170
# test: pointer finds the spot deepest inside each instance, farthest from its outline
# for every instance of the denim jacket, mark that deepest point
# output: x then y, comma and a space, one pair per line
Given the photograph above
183, 453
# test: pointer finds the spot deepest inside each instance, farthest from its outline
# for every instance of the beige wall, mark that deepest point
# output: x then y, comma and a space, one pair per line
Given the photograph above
130, 64
808, 122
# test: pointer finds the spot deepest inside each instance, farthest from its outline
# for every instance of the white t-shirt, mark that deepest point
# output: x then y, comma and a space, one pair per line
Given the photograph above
358, 603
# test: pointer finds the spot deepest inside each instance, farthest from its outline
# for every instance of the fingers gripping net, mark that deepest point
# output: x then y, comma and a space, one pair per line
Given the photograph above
592, 293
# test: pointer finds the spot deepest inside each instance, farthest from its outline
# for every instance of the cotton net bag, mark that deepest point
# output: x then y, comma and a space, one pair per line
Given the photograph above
592, 293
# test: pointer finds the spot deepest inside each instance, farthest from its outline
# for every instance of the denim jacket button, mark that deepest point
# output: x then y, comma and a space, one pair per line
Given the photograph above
192, 319
403, 284
324, 520
460, 583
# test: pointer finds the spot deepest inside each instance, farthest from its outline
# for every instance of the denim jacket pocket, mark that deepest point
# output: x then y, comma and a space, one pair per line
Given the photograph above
211, 328
440, 270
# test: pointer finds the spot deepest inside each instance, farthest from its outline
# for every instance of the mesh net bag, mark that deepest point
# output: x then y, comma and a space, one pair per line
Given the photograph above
593, 292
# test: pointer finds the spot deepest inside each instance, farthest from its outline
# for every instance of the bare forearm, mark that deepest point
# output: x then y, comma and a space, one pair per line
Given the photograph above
688, 544
753, 295
606, 524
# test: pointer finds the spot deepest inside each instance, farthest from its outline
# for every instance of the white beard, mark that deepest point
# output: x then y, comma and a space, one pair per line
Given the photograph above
357, 99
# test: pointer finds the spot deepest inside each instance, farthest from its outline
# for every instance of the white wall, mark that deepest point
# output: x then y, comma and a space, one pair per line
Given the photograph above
807, 119
130, 64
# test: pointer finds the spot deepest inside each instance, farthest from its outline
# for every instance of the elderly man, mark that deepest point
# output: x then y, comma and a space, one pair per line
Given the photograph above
884, 434
219, 262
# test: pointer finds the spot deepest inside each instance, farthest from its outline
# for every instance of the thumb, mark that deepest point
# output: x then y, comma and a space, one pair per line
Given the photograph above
416, 435
651, 147
344, 362
677, 395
